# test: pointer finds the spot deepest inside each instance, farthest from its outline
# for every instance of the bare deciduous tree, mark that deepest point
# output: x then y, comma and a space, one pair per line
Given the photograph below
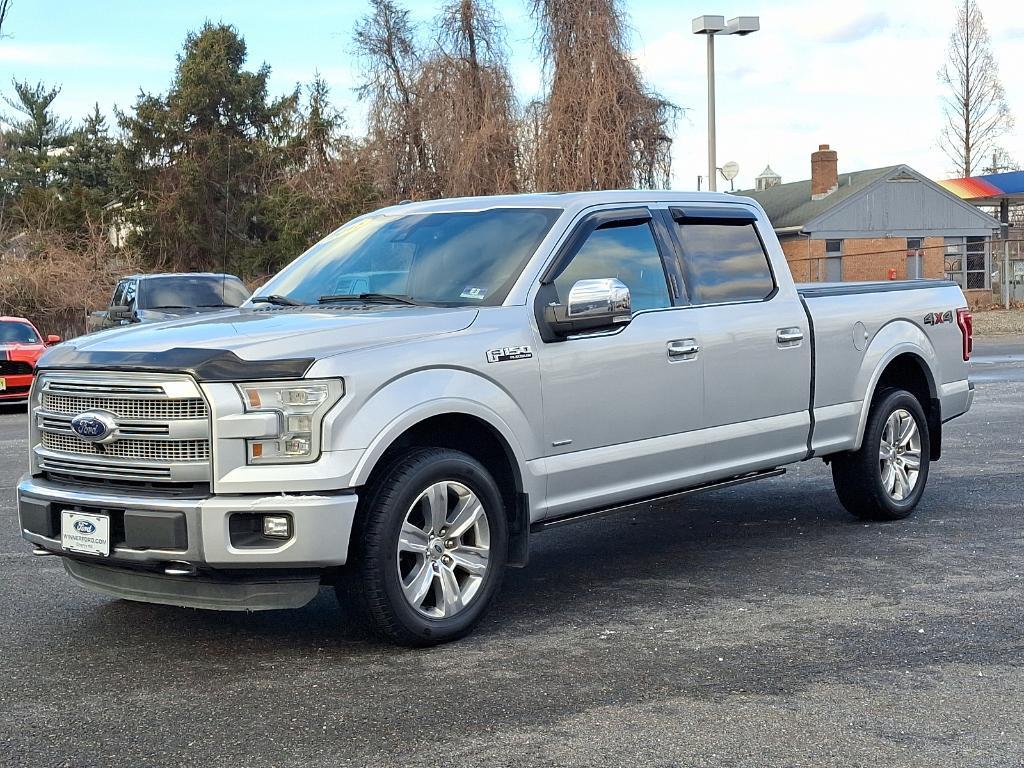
468, 103
975, 105
5, 7
385, 43
602, 127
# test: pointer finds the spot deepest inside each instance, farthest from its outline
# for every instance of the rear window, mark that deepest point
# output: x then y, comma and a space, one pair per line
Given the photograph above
18, 333
724, 262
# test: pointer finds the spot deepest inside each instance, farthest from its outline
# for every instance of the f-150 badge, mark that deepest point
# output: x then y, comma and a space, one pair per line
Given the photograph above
938, 318
508, 353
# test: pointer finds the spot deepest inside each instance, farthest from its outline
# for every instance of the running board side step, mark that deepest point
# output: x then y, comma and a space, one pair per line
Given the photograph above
543, 525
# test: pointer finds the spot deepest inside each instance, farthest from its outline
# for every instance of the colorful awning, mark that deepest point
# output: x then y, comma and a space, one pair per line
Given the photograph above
991, 188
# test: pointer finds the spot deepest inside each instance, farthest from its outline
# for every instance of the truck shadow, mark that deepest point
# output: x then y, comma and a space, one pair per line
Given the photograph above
725, 545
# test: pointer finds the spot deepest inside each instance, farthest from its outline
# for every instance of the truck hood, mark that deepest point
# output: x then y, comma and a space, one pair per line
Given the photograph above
268, 333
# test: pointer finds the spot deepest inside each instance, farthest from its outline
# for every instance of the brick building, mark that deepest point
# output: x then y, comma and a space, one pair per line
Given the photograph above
871, 225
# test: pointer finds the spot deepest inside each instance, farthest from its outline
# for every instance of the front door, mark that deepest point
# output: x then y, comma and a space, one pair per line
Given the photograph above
617, 404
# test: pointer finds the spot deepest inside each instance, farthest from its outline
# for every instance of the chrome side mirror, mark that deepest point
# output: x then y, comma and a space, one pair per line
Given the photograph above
595, 303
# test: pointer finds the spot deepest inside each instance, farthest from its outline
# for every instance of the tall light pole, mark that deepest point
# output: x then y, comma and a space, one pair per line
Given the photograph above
711, 26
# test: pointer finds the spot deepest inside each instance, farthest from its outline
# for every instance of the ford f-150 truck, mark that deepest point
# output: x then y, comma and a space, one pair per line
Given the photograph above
400, 410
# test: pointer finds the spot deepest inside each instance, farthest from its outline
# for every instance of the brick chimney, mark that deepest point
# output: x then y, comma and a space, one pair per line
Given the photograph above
824, 172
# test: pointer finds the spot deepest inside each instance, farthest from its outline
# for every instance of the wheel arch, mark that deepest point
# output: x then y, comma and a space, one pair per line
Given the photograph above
469, 427
906, 366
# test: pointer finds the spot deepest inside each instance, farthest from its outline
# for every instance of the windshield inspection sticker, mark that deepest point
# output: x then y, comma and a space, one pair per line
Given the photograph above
473, 293
508, 353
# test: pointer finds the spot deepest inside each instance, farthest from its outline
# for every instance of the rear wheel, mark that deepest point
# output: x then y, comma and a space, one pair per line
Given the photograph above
885, 479
430, 548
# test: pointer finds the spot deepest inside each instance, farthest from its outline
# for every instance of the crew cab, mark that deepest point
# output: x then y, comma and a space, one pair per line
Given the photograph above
21, 344
404, 407
165, 296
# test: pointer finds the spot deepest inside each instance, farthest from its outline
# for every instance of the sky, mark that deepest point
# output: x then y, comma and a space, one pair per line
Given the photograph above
859, 76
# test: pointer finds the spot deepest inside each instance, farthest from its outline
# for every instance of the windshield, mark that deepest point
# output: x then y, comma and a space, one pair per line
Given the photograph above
451, 259
188, 291
18, 333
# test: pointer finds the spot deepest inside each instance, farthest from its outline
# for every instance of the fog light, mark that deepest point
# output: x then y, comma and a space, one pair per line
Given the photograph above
277, 526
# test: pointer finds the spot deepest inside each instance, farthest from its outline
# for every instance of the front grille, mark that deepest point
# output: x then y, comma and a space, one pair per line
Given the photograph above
162, 429
14, 368
147, 450
147, 410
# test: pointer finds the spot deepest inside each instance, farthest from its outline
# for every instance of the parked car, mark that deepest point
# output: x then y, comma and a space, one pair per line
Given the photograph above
403, 408
155, 298
21, 344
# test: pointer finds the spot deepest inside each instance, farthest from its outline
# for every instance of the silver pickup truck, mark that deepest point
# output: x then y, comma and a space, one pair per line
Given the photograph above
400, 410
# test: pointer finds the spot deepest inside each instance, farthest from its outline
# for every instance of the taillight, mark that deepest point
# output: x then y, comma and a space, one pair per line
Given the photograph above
966, 322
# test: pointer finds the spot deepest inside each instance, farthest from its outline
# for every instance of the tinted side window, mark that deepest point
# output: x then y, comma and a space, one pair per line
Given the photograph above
118, 297
628, 252
724, 262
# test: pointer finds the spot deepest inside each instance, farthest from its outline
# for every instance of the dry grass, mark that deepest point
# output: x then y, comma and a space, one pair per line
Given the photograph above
60, 279
999, 322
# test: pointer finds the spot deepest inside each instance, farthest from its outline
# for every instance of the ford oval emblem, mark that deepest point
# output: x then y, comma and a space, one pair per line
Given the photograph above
93, 426
84, 526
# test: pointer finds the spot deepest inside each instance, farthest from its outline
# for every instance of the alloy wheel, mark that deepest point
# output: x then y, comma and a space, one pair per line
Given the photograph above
443, 550
899, 455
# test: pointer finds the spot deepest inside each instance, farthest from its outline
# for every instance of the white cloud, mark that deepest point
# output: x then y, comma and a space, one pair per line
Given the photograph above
857, 28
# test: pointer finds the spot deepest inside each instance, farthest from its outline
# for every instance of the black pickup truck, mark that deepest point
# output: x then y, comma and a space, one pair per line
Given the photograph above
152, 298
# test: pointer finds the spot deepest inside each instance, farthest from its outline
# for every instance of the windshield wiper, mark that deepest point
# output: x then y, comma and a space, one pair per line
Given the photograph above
277, 300
377, 298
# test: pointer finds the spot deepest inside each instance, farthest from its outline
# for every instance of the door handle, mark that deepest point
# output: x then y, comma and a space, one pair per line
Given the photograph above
685, 349
789, 336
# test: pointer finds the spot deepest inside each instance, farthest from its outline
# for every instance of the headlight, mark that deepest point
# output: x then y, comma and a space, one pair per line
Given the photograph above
301, 406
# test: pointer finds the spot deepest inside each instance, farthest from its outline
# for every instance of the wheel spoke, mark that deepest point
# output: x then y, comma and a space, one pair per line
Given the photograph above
912, 460
417, 587
412, 538
450, 592
908, 430
437, 507
467, 512
471, 559
902, 483
908, 484
888, 477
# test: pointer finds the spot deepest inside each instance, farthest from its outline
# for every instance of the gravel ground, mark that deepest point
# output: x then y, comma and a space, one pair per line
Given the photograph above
753, 627
999, 322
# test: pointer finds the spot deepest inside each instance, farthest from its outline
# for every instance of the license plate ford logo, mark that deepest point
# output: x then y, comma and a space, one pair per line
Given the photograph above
93, 426
84, 526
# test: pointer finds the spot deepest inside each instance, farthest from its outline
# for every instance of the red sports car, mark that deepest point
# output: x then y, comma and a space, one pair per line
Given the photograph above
20, 347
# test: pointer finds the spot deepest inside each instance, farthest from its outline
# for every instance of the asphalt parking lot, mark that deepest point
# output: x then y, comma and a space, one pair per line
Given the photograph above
757, 626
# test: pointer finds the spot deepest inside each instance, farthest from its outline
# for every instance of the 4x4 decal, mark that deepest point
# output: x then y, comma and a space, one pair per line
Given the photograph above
938, 318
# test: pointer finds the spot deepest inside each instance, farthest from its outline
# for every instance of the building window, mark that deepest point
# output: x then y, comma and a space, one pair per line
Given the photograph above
833, 261
915, 258
976, 264
967, 262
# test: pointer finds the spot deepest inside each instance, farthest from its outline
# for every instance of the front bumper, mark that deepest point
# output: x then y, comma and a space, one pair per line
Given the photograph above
151, 531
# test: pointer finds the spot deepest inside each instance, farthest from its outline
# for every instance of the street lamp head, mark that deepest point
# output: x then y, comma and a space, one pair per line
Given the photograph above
708, 25
742, 25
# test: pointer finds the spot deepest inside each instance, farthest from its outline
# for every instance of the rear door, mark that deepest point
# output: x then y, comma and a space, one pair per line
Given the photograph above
755, 340
623, 407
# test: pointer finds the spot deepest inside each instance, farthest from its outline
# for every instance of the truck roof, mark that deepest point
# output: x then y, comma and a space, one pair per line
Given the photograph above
565, 200
178, 274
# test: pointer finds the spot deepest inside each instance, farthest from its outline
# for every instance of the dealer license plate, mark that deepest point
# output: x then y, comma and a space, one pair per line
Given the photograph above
3, 383
89, 534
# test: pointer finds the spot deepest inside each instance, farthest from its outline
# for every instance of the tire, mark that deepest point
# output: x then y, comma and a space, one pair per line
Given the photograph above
418, 588
878, 482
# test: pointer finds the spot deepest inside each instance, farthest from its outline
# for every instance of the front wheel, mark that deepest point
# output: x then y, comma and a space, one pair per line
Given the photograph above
884, 480
430, 548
